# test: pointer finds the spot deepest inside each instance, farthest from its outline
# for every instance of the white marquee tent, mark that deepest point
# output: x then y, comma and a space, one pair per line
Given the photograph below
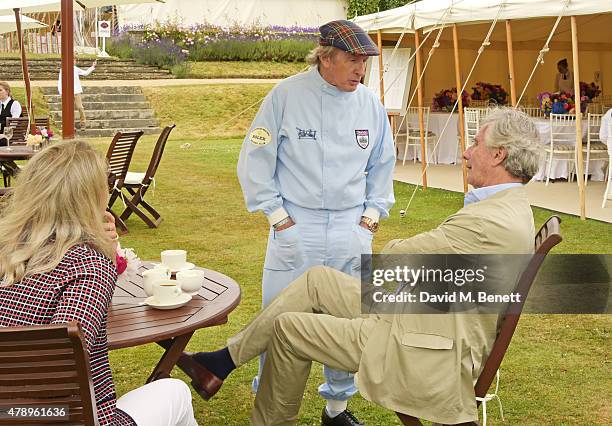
523, 35
311, 13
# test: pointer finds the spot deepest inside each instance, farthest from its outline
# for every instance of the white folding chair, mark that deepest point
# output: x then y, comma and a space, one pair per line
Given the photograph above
532, 111
562, 142
594, 149
596, 108
471, 124
608, 192
411, 130
477, 103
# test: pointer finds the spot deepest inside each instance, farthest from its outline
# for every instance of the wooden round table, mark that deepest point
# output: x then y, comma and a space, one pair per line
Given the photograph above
130, 323
14, 153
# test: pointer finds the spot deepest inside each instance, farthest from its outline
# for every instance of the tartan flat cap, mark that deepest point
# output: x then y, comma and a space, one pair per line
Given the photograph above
347, 36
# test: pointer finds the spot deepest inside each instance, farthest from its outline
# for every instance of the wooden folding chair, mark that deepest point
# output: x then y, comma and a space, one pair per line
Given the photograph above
20, 129
42, 122
137, 185
547, 237
119, 156
46, 365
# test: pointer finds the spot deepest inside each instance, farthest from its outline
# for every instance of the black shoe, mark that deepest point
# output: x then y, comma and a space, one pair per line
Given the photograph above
345, 418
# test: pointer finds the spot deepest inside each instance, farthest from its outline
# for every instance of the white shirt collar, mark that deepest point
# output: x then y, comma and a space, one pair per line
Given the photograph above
479, 194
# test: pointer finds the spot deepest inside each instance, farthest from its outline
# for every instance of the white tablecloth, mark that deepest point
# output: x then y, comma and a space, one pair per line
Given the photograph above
560, 168
446, 151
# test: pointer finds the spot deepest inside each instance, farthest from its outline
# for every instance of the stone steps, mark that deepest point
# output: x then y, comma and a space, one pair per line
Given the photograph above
57, 106
97, 133
106, 69
132, 90
110, 114
108, 109
102, 97
132, 123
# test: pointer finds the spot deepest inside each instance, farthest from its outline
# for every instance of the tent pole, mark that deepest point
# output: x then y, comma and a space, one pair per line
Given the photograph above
460, 106
419, 59
511, 63
24, 67
67, 70
580, 165
380, 67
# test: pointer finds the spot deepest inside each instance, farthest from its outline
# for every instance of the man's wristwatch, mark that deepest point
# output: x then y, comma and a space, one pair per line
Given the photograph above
369, 222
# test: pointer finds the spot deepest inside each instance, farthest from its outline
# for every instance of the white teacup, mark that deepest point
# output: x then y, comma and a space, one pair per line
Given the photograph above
163, 268
191, 280
166, 292
152, 276
174, 259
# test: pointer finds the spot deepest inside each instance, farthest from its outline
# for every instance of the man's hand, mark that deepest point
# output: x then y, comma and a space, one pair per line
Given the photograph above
364, 225
285, 225
109, 228
95, 62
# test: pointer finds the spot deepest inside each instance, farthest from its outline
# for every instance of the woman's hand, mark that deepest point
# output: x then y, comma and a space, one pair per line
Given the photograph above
109, 228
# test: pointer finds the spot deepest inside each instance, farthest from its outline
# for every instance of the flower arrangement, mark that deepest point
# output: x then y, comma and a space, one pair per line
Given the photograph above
556, 103
490, 92
445, 99
590, 90
34, 140
127, 263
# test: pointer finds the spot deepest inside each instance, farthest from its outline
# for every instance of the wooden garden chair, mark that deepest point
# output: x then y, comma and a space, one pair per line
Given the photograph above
20, 133
137, 184
547, 237
20, 129
119, 156
46, 365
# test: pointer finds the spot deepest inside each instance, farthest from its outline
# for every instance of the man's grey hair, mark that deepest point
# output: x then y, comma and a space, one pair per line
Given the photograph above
517, 134
314, 57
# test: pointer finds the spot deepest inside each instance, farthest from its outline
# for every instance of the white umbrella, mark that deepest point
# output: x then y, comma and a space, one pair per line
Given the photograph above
8, 24
36, 6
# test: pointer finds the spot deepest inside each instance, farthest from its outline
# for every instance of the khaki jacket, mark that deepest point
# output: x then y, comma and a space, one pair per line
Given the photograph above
426, 365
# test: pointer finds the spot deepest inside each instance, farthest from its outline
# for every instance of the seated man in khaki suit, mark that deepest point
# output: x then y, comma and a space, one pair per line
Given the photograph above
421, 365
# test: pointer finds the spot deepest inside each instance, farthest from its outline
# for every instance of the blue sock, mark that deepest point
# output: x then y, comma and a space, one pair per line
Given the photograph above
219, 363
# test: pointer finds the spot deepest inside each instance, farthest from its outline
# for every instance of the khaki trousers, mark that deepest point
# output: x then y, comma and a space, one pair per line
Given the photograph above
79, 104
316, 318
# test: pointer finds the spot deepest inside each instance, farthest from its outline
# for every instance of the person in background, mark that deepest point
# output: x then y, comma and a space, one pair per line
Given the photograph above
318, 162
564, 81
9, 107
78, 90
57, 264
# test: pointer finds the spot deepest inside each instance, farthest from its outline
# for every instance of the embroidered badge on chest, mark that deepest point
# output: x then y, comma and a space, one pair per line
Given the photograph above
307, 134
363, 138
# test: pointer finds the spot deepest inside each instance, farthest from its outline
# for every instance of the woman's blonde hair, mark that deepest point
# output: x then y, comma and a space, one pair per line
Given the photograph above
6, 87
58, 201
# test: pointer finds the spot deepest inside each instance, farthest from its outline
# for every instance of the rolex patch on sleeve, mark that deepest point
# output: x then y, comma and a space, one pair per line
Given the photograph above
260, 136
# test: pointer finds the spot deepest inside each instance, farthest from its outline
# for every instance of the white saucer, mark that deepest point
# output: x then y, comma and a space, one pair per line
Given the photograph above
182, 300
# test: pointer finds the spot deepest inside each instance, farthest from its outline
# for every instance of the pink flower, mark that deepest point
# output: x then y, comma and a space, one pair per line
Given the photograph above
121, 264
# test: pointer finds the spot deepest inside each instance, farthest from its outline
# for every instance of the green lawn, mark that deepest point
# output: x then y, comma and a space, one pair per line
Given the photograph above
244, 69
557, 370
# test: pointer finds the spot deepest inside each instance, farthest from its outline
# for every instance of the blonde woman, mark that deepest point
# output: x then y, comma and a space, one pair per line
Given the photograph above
57, 265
